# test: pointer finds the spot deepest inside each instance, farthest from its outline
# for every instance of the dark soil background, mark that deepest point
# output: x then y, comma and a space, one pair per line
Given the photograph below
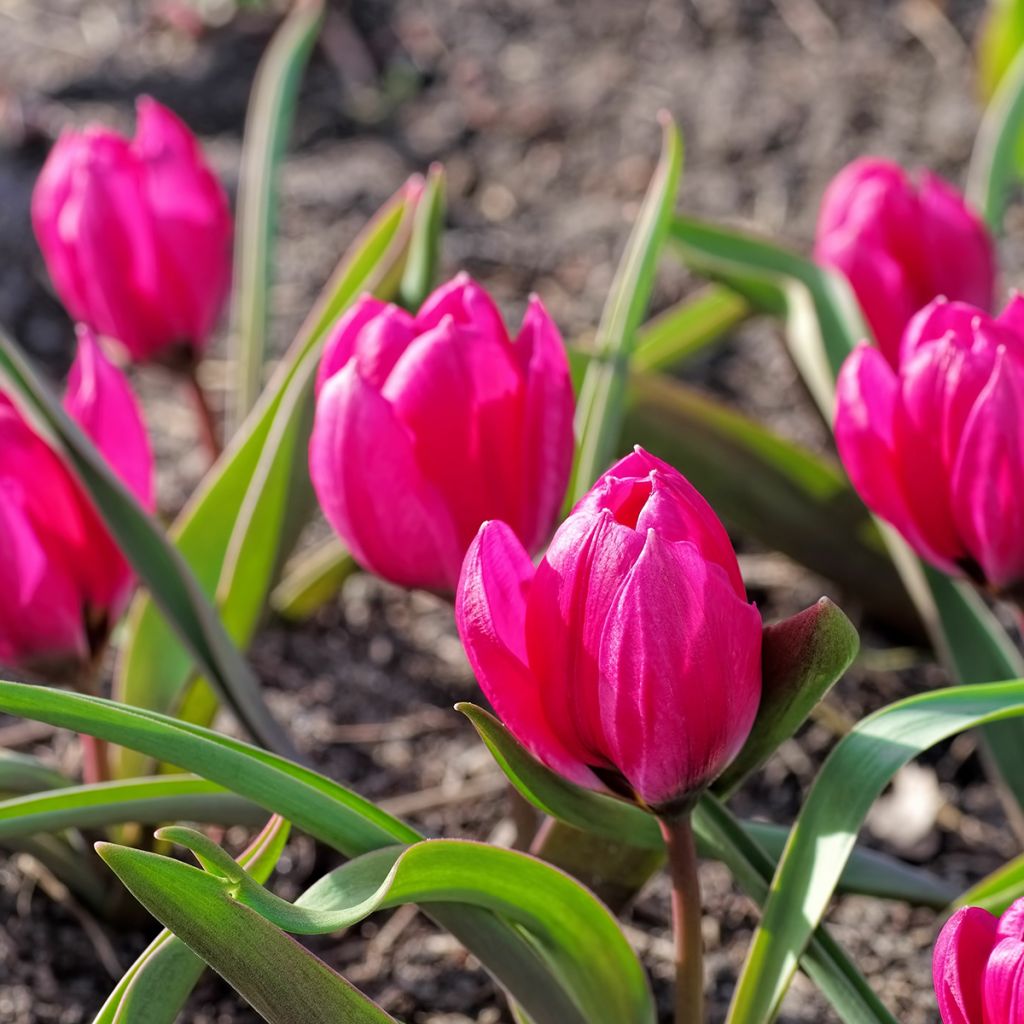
543, 113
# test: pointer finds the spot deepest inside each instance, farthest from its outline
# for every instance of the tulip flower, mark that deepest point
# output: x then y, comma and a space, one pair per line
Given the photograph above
901, 244
629, 660
136, 235
63, 582
978, 967
934, 446
428, 425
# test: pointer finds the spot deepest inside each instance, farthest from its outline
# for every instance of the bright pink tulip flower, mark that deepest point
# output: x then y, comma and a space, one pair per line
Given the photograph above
978, 967
426, 426
902, 244
136, 234
629, 660
63, 582
936, 446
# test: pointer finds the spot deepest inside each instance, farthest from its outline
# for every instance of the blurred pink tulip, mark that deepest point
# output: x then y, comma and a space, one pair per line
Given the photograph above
978, 967
902, 244
136, 234
936, 446
426, 426
63, 582
629, 659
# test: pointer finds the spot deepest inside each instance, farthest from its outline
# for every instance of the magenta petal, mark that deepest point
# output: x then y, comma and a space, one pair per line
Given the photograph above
1004, 983
392, 519
340, 346
685, 654
490, 610
467, 304
548, 422
958, 965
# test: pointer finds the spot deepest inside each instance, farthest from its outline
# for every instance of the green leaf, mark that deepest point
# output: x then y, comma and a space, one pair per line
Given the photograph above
230, 532
268, 124
1000, 39
601, 404
578, 935
995, 892
315, 804
802, 658
313, 578
146, 801
825, 832
23, 773
283, 982
158, 564
155, 988
421, 267
768, 487
995, 162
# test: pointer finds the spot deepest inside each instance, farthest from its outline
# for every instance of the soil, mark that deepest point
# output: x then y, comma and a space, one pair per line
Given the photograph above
544, 116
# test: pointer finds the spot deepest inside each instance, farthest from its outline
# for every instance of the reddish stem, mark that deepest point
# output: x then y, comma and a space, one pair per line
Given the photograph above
208, 428
686, 918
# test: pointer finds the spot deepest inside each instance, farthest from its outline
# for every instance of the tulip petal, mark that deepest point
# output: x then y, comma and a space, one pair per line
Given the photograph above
341, 341
372, 491
467, 304
684, 654
490, 610
959, 962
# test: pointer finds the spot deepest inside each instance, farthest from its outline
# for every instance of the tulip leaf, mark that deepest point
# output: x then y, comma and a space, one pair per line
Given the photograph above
995, 162
869, 873
802, 658
268, 124
159, 565
825, 832
765, 486
421, 267
230, 532
996, 891
312, 579
578, 935
601, 403
312, 802
23, 773
284, 983
155, 988
1000, 39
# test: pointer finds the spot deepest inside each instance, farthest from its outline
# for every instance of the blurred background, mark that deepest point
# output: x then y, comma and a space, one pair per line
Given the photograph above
544, 115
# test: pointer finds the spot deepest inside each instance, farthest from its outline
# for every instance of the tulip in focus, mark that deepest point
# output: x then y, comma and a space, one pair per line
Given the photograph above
428, 425
136, 235
978, 967
63, 582
901, 244
629, 659
936, 446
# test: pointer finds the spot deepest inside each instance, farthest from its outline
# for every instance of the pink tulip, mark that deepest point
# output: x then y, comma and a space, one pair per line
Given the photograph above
629, 660
63, 582
978, 967
902, 244
426, 426
936, 446
136, 234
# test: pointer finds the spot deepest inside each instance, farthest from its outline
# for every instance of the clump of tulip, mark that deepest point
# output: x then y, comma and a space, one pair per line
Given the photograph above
978, 967
63, 582
629, 659
902, 243
428, 425
136, 234
934, 445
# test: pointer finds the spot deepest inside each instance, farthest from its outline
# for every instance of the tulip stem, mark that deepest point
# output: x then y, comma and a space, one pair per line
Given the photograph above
686, 918
208, 428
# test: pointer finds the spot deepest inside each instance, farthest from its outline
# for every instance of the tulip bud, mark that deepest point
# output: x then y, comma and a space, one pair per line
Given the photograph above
427, 426
629, 659
136, 234
978, 967
935, 445
62, 580
902, 244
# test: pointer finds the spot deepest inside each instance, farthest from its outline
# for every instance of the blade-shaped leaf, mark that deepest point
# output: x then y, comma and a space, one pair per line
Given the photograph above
825, 832
601, 403
425, 246
313, 578
268, 124
23, 773
995, 892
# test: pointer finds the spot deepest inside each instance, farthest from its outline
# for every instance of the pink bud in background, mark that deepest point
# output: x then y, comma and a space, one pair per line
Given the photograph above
629, 659
901, 244
978, 967
427, 426
136, 234
63, 582
936, 446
